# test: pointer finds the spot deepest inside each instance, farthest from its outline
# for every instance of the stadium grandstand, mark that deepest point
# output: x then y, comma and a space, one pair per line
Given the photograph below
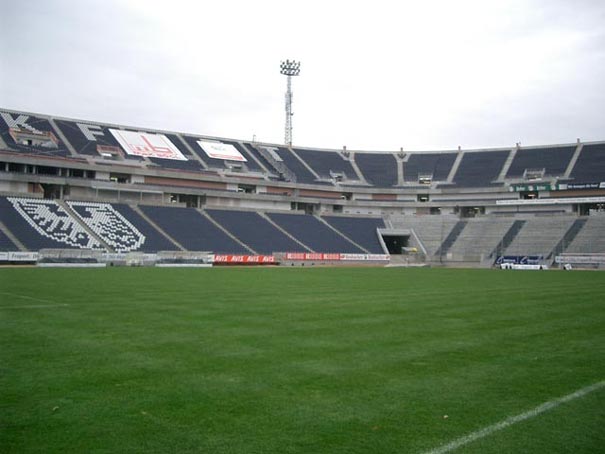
69, 184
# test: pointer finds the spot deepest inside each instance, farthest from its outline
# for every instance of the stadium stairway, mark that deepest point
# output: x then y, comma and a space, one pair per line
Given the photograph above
12, 237
591, 238
338, 232
450, 239
83, 224
227, 232
140, 212
507, 239
568, 238
285, 232
539, 236
478, 239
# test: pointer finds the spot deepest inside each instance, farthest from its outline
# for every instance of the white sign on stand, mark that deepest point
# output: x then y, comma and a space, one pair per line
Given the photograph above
147, 145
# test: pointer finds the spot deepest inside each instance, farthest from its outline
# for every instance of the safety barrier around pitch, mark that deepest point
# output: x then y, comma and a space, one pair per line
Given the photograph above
96, 258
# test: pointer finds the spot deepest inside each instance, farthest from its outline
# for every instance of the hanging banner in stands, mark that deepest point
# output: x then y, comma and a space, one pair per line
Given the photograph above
217, 150
244, 259
335, 257
531, 187
147, 145
569, 186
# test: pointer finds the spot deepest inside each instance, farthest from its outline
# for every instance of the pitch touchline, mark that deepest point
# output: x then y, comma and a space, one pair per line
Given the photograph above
27, 297
514, 419
34, 307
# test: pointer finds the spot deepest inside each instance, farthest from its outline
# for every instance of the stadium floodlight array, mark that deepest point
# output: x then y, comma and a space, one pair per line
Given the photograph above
289, 68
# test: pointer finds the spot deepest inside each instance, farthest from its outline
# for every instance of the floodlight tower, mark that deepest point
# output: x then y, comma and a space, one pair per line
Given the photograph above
289, 68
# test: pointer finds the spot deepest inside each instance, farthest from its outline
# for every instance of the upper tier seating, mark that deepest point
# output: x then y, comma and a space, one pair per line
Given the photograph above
210, 162
378, 169
255, 231
322, 162
436, 164
6, 244
293, 163
40, 224
193, 230
313, 233
361, 230
553, 160
253, 150
36, 127
192, 165
479, 169
85, 136
590, 166
250, 162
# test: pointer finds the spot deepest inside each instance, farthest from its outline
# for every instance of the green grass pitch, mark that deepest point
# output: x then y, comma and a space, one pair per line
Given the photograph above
305, 360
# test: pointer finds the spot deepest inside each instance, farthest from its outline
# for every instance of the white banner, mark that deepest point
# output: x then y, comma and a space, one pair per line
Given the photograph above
3, 256
147, 145
560, 201
22, 256
225, 151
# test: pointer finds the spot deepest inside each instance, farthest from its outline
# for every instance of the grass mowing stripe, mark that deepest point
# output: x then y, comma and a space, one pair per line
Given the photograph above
486, 431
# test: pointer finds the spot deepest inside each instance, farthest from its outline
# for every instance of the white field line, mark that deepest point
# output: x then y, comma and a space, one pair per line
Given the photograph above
39, 306
514, 419
30, 298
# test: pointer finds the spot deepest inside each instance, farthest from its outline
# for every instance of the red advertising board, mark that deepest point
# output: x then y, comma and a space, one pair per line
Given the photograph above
244, 259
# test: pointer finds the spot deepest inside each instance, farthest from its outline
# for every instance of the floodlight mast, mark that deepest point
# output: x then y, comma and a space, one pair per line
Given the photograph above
289, 68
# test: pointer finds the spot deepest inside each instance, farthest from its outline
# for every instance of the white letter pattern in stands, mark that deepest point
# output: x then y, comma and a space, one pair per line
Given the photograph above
51, 221
110, 225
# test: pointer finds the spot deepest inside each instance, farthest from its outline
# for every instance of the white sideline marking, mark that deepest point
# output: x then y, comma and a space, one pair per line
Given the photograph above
514, 419
28, 298
34, 307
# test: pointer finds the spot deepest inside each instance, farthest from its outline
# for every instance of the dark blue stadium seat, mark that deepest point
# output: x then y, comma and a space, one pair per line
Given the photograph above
322, 162
553, 160
40, 224
298, 168
379, 169
360, 230
255, 231
436, 164
6, 244
313, 233
479, 169
190, 165
590, 166
35, 123
260, 157
250, 162
155, 241
192, 230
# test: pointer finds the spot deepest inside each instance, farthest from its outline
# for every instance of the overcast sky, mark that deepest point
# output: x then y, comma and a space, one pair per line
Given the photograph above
375, 75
